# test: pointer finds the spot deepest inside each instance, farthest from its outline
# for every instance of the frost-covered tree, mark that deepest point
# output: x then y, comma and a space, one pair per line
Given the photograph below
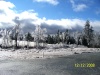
6, 40
50, 39
76, 36
96, 41
88, 32
39, 35
10, 41
66, 38
58, 37
21, 35
16, 33
62, 36
28, 38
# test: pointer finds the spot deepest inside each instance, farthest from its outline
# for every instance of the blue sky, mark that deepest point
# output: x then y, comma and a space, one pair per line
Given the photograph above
64, 8
61, 14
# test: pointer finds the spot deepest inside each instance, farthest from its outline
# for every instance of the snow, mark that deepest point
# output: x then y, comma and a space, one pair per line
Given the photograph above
50, 51
43, 53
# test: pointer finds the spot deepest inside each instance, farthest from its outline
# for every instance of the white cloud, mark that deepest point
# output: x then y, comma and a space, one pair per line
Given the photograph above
66, 23
7, 12
8, 18
53, 2
6, 5
30, 14
78, 7
95, 23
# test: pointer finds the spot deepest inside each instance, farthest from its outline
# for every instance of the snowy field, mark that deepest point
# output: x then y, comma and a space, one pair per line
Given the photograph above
50, 51
43, 53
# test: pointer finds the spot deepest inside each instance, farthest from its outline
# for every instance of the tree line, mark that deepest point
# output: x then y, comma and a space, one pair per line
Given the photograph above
86, 37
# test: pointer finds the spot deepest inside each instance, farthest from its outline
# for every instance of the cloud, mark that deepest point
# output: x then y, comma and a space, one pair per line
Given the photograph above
52, 29
29, 19
78, 7
6, 12
53, 2
96, 25
2, 12
66, 23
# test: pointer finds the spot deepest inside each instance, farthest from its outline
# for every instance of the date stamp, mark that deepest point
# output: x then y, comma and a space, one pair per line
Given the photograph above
85, 65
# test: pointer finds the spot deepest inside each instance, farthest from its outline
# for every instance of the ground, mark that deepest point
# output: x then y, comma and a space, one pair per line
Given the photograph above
52, 66
44, 53
52, 60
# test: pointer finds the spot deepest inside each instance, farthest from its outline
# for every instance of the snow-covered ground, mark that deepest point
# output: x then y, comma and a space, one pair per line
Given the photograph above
43, 53
50, 51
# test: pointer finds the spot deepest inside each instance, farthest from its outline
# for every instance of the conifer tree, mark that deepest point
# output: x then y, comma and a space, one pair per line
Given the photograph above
88, 32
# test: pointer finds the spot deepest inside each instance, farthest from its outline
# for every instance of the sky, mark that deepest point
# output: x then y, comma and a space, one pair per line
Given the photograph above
50, 14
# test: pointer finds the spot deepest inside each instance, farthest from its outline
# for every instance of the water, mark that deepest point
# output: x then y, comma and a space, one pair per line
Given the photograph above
54, 66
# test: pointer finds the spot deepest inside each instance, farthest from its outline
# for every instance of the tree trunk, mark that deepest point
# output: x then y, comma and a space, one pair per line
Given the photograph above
16, 40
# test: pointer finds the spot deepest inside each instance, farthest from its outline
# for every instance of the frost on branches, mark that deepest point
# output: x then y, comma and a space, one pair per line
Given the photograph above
6, 40
39, 35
